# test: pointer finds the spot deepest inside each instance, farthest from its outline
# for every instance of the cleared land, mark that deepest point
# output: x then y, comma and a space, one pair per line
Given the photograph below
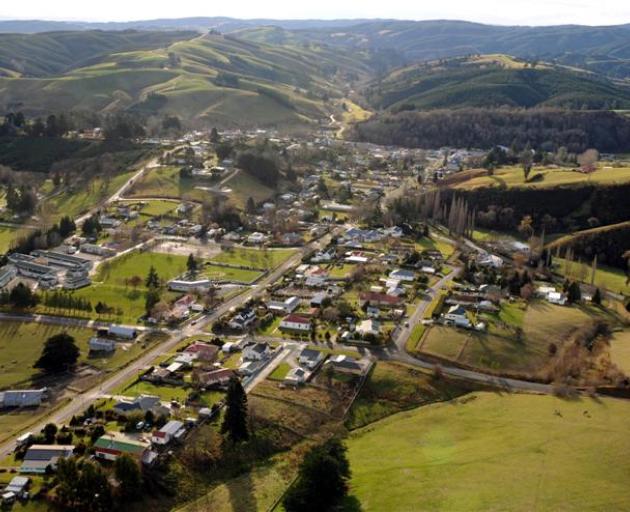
549, 177
495, 452
165, 182
8, 235
613, 279
620, 350
243, 186
254, 258
230, 274
500, 349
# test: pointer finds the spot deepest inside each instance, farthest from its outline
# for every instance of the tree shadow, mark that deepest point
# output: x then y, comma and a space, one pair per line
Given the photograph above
242, 493
351, 504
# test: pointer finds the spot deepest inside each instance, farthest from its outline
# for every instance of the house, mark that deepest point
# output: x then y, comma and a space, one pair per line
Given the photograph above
489, 260
345, 364
310, 358
291, 239
249, 368
380, 299
295, 323
219, 377
256, 238
142, 403
41, 456
186, 359
369, 327
356, 257
242, 320
22, 397
403, 275
285, 307
113, 445
120, 331
557, 298
428, 270
97, 250
296, 376
184, 285
256, 352
173, 430
457, 315
204, 351
324, 256
97, 344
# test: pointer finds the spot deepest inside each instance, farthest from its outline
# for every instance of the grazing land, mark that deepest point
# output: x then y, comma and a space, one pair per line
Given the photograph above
612, 279
495, 452
512, 176
165, 182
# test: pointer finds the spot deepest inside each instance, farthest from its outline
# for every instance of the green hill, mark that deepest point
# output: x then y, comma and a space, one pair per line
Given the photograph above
221, 79
494, 81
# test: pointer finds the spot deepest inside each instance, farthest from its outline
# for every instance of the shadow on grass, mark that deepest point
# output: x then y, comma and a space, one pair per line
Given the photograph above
351, 504
242, 493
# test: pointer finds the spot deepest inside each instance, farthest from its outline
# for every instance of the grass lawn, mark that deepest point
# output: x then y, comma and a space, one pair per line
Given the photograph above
415, 337
118, 270
495, 452
445, 342
158, 208
280, 372
341, 271
255, 258
613, 279
230, 274
21, 345
512, 176
620, 350
243, 186
272, 328
8, 235
165, 392
165, 182
435, 244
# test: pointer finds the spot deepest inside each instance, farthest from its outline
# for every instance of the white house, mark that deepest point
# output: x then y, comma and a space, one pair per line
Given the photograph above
242, 320
296, 376
284, 307
256, 352
120, 331
457, 315
369, 326
257, 238
403, 275
295, 323
557, 298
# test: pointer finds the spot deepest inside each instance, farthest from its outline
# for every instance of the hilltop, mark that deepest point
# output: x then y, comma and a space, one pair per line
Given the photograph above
215, 78
494, 81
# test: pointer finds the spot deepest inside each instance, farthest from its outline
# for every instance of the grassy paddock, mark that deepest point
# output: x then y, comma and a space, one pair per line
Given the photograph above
445, 456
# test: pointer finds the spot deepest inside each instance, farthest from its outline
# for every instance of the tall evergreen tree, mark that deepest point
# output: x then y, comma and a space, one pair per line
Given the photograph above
235, 420
191, 264
60, 352
153, 279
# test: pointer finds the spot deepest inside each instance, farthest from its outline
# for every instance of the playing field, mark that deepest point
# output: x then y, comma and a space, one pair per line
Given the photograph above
495, 452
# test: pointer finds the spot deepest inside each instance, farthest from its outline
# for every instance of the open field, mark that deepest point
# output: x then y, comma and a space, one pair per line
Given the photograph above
75, 202
394, 387
8, 235
512, 176
118, 270
165, 182
255, 258
243, 186
541, 453
219, 273
613, 279
165, 392
21, 344
500, 349
620, 350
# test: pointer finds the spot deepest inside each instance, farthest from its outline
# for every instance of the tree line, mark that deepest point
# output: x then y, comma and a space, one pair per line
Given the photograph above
547, 129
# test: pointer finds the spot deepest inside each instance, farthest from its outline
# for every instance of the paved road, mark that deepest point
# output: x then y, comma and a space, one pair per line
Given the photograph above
190, 328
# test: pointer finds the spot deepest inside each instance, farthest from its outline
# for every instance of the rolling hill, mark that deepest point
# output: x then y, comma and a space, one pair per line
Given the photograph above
489, 81
216, 78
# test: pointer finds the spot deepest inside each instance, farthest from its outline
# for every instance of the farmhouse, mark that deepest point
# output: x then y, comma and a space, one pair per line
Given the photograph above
173, 430
22, 397
41, 456
295, 323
